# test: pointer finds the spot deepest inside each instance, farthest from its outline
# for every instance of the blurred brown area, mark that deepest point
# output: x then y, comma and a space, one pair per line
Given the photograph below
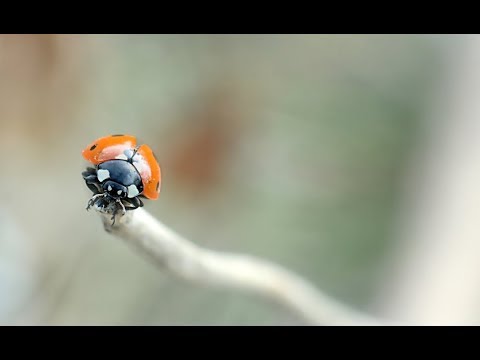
286, 147
196, 159
39, 87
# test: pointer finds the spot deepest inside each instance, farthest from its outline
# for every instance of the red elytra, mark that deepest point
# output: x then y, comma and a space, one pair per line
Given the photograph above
112, 146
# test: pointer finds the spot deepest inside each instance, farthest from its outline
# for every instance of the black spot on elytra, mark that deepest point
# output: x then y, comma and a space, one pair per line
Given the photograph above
118, 135
93, 147
158, 185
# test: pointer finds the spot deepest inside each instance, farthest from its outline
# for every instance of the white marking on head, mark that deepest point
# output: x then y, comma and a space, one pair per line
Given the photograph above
109, 188
119, 192
102, 174
121, 156
132, 191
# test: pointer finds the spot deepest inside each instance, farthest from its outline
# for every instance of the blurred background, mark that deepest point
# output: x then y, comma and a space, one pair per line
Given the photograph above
353, 160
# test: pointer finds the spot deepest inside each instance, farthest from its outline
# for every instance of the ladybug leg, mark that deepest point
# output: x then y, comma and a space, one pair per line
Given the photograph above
134, 202
139, 202
122, 206
115, 212
89, 172
94, 188
90, 177
93, 199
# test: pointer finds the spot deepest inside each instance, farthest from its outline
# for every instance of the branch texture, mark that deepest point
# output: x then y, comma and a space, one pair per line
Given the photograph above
186, 260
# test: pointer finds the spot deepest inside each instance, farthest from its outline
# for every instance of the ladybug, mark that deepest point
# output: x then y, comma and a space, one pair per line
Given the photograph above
123, 173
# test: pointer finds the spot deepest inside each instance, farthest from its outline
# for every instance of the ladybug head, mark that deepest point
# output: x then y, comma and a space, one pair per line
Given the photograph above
115, 190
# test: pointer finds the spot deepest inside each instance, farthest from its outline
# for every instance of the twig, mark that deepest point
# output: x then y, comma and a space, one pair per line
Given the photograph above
186, 260
434, 268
